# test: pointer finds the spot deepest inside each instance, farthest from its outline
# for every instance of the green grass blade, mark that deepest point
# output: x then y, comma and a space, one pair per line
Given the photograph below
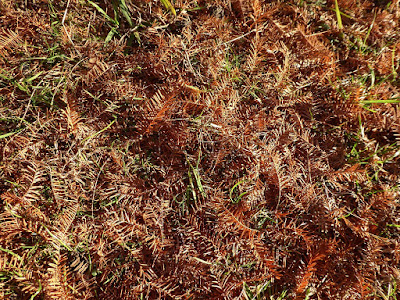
249, 293
110, 35
369, 31
5, 77
393, 225
137, 37
391, 100
100, 10
236, 199
29, 80
22, 87
125, 12
338, 16
37, 292
169, 6
198, 181
10, 252
3, 136
58, 239
196, 8
97, 133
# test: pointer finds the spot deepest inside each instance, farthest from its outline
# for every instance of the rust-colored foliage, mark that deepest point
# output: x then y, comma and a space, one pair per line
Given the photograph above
199, 149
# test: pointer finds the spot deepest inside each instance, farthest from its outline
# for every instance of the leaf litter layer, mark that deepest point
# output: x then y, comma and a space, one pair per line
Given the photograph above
199, 149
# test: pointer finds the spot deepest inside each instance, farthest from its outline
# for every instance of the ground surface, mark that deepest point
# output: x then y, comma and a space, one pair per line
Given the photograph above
199, 149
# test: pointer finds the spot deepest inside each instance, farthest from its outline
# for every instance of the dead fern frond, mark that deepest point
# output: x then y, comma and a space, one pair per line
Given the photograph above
234, 219
67, 216
97, 69
161, 112
9, 225
351, 173
80, 265
59, 284
165, 287
33, 177
224, 152
9, 40
72, 114
60, 189
309, 272
29, 196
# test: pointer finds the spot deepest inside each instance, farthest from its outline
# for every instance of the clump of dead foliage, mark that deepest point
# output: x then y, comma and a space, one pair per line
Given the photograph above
240, 149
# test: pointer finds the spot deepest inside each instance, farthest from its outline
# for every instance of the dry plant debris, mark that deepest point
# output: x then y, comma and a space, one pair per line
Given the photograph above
227, 149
